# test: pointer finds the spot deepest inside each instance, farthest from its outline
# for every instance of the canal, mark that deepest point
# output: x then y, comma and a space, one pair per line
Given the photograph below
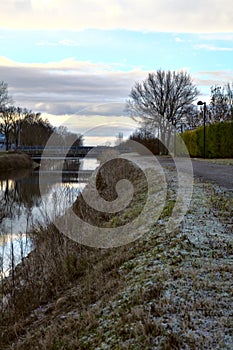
31, 198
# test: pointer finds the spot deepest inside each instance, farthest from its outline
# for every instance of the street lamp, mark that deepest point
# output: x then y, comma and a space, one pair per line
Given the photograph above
200, 103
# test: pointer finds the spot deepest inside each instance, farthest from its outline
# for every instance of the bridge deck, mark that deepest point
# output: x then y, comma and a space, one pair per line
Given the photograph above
54, 158
66, 172
63, 152
76, 176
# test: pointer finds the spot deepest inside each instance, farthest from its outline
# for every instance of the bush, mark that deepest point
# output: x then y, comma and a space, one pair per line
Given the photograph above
219, 140
13, 160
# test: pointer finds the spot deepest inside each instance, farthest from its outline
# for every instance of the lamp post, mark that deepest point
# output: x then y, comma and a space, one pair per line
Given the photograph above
200, 103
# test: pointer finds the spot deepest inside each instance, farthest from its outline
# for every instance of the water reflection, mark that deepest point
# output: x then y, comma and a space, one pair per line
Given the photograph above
13, 248
22, 205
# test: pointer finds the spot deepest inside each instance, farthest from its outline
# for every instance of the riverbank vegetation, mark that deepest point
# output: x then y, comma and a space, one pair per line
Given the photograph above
14, 161
218, 140
162, 291
221, 161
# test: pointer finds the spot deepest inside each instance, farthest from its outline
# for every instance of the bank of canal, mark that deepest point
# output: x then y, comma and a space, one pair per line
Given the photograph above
28, 199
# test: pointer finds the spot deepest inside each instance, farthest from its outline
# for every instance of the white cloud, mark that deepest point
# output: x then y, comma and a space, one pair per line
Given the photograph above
64, 42
211, 78
67, 64
212, 48
47, 43
217, 36
178, 40
79, 95
148, 15
67, 86
97, 129
68, 42
94, 93
18, 5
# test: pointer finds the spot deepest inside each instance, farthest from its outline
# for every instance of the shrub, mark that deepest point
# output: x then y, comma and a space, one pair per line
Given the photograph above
219, 140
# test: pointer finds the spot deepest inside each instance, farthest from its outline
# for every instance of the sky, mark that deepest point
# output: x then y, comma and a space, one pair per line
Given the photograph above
75, 61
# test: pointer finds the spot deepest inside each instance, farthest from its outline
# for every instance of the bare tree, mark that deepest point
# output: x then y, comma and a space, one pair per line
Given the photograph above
62, 136
162, 100
149, 140
5, 112
192, 119
17, 116
34, 130
119, 138
6, 122
13, 124
221, 104
4, 97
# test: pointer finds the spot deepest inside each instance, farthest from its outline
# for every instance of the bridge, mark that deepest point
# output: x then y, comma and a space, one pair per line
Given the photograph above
69, 153
80, 176
56, 152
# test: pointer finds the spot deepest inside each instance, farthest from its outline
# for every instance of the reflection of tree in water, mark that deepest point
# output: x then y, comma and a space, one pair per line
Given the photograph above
18, 194
8, 194
28, 191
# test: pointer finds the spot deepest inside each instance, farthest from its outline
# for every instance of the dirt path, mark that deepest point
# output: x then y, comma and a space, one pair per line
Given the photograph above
220, 174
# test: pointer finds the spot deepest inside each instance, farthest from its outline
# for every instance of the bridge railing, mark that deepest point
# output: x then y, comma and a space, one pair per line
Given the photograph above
54, 149
65, 150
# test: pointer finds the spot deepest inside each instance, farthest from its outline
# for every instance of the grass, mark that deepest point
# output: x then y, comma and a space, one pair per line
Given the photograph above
13, 160
223, 161
159, 292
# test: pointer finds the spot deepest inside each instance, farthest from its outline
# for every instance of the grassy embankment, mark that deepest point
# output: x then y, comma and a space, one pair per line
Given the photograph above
164, 292
14, 160
223, 161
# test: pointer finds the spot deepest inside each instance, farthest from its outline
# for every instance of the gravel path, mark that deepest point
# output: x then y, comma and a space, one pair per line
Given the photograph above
216, 173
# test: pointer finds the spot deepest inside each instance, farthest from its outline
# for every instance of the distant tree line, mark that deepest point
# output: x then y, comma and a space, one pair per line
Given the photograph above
21, 126
149, 140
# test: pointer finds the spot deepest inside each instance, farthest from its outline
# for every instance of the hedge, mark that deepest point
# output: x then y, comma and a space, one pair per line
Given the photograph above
219, 140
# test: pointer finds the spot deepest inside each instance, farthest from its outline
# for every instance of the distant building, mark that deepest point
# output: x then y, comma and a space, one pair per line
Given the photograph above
2, 141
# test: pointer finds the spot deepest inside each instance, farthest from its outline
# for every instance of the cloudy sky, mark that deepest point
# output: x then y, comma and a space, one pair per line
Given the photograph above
75, 61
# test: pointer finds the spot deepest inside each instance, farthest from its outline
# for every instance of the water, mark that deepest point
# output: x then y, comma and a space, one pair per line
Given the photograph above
26, 200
